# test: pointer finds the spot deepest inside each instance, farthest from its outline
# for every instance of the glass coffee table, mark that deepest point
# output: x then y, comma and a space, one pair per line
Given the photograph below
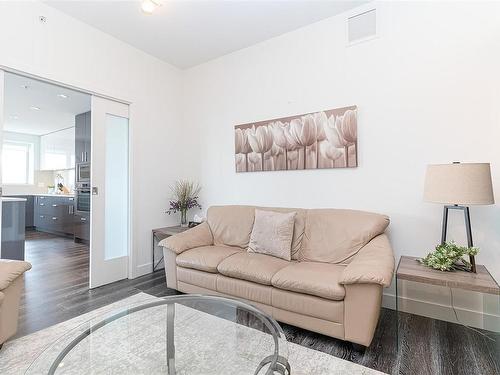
185, 334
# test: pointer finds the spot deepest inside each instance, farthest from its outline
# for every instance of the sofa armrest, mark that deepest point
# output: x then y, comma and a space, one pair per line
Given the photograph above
200, 235
10, 270
373, 264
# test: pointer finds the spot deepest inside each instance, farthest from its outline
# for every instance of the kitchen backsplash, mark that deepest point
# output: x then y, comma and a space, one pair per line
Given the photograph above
42, 181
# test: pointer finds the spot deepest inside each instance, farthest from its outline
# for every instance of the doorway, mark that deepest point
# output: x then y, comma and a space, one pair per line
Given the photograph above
65, 165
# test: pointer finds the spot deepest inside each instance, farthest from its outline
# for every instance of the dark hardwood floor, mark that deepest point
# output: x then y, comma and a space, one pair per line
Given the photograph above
57, 290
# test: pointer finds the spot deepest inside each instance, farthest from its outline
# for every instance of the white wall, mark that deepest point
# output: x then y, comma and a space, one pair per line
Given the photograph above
69, 51
427, 91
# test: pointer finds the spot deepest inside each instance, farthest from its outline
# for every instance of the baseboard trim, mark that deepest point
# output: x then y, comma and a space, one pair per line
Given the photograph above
477, 319
141, 270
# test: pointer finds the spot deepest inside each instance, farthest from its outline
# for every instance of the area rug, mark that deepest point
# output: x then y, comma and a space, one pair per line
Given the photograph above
147, 340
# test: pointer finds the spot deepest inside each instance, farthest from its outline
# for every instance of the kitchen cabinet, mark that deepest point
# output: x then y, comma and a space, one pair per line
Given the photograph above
82, 227
54, 214
82, 137
57, 150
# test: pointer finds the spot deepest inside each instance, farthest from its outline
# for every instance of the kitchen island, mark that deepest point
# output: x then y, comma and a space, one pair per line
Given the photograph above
52, 213
13, 228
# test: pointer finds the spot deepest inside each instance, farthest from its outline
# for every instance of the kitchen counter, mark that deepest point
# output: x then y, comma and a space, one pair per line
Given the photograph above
45, 195
10, 199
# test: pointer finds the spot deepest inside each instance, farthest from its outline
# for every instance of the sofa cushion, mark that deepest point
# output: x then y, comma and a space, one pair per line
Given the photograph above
244, 289
306, 304
317, 279
335, 236
298, 228
258, 268
202, 279
231, 225
205, 258
272, 233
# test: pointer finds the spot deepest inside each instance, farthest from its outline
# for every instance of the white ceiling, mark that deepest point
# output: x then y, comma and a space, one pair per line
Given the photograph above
188, 33
55, 113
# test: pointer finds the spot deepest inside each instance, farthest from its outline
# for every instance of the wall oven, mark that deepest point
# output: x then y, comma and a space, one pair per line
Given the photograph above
82, 172
82, 197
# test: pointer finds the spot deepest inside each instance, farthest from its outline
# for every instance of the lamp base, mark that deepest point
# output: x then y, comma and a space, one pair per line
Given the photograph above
468, 229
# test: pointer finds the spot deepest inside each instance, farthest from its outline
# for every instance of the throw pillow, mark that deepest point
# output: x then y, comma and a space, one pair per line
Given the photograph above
272, 234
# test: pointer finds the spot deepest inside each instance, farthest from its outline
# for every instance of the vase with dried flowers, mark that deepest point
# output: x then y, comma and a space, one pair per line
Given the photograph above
184, 197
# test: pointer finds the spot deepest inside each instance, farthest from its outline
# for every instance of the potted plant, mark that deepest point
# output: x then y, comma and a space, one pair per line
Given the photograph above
449, 257
184, 197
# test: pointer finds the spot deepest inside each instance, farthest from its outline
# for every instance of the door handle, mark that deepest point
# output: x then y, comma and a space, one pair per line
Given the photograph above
95, 190
54, 218
82, 157
42, 204
54, 205
83, 219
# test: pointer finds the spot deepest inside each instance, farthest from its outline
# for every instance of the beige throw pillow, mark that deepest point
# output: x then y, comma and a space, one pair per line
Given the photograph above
272, 234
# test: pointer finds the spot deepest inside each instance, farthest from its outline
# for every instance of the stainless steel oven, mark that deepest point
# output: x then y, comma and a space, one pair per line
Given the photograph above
82, 197
83, 172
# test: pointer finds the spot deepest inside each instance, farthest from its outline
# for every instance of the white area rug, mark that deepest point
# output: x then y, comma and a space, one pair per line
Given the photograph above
108, 358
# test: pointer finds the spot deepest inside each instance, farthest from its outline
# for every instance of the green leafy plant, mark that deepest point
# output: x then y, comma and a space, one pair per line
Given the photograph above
449, 257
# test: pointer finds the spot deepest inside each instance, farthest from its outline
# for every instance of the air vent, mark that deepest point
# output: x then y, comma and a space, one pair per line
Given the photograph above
361, 27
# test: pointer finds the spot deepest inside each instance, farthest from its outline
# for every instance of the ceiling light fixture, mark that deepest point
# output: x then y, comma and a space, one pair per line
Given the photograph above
149, 6
35, 108
62, 96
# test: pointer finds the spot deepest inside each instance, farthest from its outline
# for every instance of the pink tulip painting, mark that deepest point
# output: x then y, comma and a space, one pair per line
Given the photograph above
318, 140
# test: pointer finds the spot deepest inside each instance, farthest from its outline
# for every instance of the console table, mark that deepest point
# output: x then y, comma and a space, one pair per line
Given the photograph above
159, 234
409, 269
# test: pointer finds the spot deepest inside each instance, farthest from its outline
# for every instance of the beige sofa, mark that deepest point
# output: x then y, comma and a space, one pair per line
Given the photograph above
341, 260
11, 286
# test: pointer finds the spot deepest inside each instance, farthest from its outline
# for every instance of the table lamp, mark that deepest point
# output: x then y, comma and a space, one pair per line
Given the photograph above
457, 186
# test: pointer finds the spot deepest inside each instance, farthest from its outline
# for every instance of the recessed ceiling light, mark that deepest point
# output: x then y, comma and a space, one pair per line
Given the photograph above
35, 108
149, 6
25, 87
62, 96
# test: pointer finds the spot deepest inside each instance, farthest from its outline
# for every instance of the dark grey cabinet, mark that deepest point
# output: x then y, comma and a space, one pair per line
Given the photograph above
54, 214
82, 227
82, 137
13, 228
29, 209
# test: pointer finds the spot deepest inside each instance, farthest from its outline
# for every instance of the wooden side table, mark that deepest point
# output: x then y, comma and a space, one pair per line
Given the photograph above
159, 234
409, 269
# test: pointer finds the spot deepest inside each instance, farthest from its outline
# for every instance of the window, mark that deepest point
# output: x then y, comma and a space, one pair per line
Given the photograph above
17, 163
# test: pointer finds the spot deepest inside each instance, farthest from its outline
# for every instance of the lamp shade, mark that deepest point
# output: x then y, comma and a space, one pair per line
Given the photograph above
459, 183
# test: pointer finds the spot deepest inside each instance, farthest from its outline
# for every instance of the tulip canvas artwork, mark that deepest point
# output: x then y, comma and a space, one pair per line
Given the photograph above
326, 139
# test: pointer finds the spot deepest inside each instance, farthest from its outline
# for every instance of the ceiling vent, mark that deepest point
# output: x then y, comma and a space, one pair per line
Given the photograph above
362, 27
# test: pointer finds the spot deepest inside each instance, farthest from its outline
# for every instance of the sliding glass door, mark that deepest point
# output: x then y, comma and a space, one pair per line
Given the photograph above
110, 214
2, 113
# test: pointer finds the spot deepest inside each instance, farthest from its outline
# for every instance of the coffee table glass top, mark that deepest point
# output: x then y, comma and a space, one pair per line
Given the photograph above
185, 334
